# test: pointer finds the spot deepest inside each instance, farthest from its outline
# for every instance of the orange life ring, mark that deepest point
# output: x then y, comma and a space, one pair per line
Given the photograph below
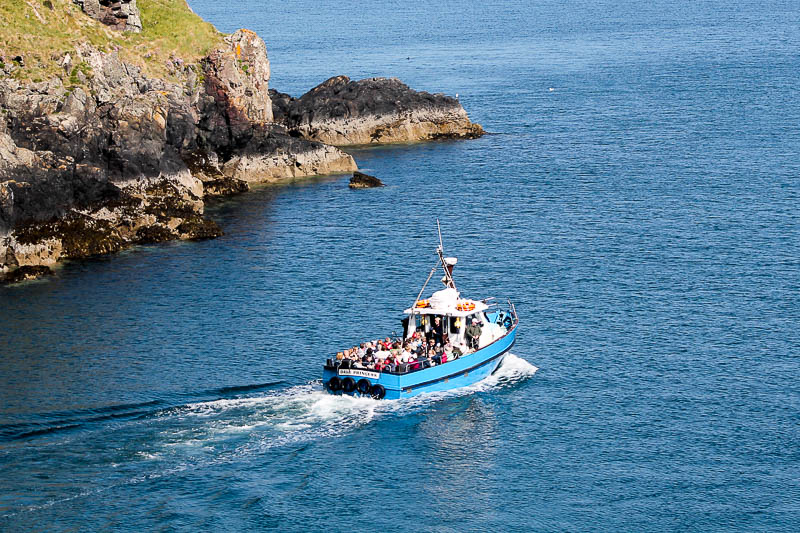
465, 306
423, 303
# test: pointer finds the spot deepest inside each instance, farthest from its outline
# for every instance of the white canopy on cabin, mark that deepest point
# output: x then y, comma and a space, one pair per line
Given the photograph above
445, 302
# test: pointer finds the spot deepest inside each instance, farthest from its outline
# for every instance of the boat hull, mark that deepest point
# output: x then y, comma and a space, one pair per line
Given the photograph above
464, 371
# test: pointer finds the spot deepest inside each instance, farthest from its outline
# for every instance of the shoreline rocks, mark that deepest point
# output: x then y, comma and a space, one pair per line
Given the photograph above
126, 159
342, 112
111, 157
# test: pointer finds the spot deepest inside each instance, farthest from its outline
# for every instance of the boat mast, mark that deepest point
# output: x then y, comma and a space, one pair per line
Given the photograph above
448, 275
447, 269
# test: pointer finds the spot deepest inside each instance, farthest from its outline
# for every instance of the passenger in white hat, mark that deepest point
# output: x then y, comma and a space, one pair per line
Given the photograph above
473, 334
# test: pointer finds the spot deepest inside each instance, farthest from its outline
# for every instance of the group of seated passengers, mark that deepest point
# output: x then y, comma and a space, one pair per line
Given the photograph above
386, 355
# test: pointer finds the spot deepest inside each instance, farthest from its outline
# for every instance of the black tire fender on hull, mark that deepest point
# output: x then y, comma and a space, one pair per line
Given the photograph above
348, 384
378, 392
364, 386
335, 384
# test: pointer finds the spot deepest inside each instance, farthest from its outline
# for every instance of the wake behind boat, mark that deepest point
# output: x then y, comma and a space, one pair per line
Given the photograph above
448, 342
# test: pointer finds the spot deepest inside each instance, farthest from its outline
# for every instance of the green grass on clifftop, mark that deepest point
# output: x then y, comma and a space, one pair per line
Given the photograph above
43, 31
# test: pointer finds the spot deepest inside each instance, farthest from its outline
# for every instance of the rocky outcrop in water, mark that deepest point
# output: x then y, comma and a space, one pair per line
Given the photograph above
364, 181
121, 158
121, 15
375, 110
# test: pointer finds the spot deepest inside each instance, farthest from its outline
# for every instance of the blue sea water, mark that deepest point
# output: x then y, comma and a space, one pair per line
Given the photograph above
637, 198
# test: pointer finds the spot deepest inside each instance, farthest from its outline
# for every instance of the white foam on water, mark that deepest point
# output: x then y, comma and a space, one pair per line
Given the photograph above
325, 415
306, 411
143, 455
308, 408
187, 443
298, 414
513, 370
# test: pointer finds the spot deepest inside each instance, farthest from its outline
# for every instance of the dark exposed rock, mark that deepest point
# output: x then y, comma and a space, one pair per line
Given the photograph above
364, 181
198, 228
26, 273
282, 105
374, 110
80, 236
205, 167
224, 187
154, 234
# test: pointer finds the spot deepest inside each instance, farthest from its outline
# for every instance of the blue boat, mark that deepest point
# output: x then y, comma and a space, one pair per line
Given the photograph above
471, 357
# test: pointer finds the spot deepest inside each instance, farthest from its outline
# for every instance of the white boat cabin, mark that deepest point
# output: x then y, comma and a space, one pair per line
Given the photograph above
456, 314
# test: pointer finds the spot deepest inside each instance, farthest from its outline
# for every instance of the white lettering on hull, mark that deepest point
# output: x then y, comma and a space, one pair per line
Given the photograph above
360, 373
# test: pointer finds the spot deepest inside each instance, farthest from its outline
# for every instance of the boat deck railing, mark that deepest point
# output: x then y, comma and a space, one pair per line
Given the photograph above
403, 368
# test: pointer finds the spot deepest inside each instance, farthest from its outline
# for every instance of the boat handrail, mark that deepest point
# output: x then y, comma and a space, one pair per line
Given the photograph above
513, 309
422, 364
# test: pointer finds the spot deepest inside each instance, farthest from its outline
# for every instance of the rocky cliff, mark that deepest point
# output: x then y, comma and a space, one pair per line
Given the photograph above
121, 158
109, 152
375, 110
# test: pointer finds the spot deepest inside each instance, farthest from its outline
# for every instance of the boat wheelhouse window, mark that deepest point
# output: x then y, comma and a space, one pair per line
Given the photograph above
424, 323
453, 324
412, 324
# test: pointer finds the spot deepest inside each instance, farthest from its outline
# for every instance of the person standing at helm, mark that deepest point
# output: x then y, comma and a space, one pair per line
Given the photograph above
437, 331
473, 334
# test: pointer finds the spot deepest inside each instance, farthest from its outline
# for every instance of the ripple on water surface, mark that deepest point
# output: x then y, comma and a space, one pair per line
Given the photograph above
146, 442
